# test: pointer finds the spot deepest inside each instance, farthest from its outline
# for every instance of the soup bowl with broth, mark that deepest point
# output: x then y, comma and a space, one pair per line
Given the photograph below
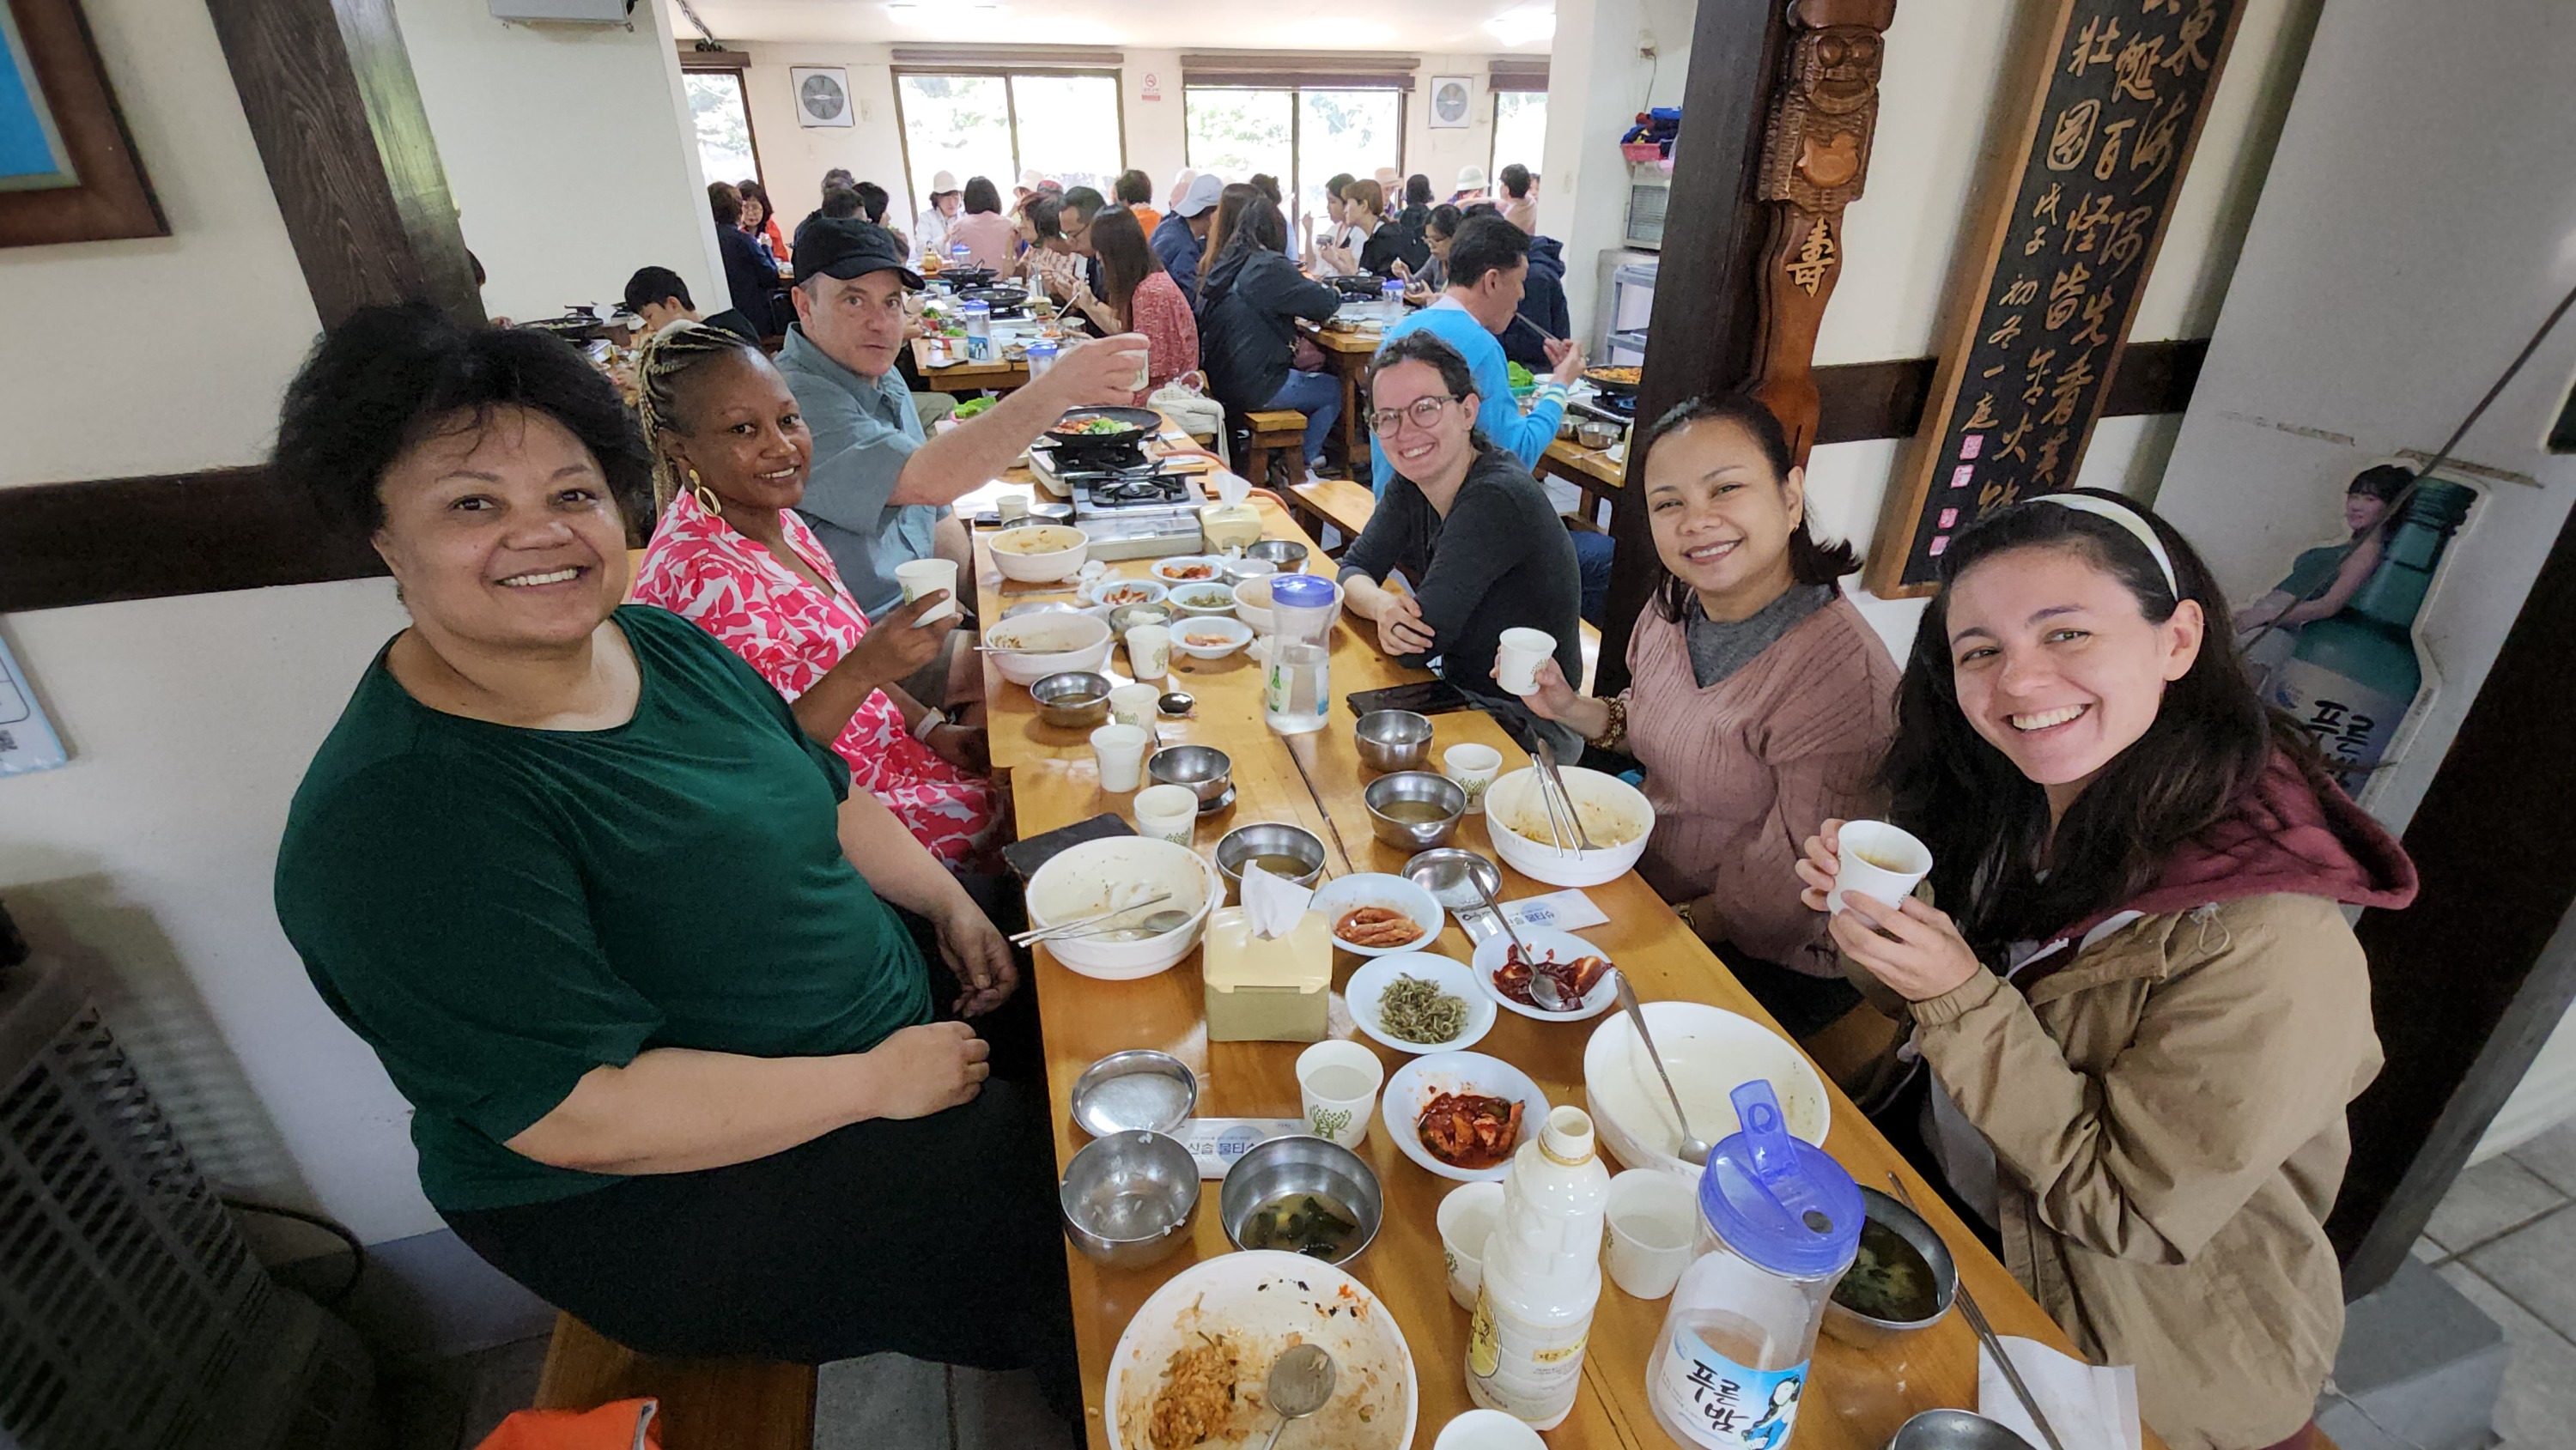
1615, 814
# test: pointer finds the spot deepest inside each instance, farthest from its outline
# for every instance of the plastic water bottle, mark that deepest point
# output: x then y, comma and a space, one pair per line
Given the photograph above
1390, 300
1297, 693
1779, 1223
1542, 1276
979, 330
1042, 355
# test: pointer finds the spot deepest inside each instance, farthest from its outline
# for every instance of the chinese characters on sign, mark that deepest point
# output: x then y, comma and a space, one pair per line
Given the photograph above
2022, 385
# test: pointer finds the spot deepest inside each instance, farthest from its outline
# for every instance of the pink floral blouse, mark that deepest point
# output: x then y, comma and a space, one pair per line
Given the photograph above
1159, 311
701, 568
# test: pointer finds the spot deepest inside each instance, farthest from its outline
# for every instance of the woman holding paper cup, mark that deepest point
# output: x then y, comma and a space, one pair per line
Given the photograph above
1493, 570
1759, 700
2143, 1011
729, 552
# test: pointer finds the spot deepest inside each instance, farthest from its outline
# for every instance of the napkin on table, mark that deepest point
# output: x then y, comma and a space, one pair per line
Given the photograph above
1272, 905
2090, 1407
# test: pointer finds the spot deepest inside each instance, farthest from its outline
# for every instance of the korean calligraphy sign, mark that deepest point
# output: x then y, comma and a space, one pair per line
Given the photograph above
2037, 331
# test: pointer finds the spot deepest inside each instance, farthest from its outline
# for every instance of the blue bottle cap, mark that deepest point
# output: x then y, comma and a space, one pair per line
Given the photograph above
977, 304
1302, 591
1782, 1204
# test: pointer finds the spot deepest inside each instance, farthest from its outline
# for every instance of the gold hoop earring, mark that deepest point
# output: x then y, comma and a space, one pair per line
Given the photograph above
706, 496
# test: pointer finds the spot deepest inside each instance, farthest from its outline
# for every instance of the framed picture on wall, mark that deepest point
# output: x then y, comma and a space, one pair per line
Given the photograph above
1453, 101
822, 95
68, 170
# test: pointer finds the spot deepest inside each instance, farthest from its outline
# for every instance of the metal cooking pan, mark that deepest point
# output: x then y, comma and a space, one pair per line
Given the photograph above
1141, 423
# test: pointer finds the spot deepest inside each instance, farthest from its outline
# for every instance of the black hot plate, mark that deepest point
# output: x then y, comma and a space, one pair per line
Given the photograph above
1142, 423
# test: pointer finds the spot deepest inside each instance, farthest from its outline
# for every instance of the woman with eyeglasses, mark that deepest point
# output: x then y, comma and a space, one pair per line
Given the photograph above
1463, 522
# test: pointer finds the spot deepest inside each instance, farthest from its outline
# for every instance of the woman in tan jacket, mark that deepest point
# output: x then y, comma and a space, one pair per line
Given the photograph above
2147, 1014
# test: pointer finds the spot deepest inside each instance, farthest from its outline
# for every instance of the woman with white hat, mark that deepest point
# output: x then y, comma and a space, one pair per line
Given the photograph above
946, 199
1471, 186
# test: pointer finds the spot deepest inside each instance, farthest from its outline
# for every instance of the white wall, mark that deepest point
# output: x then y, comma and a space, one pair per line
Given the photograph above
1596, 84
2420, 221
163, 354
567, 150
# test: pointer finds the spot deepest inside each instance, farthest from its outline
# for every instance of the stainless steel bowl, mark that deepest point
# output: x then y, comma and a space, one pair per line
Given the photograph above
1041, 606
1126, 1199
1072, 699
1954, 1430
1238, 570
1288, 554
1853, 1327
1206, 770
1127, 616
1391, 740
1429, 787
1450, 874
1267, 838
1299, 1164
1597, 435
1132, 1092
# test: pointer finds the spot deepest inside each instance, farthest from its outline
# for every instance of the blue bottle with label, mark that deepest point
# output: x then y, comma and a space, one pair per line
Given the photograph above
1779, 1223
2354, 674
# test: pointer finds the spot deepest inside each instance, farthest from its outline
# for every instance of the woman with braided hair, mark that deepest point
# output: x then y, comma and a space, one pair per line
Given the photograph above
730, 454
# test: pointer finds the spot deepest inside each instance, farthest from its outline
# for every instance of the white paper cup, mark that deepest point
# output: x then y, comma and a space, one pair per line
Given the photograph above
1120, 750
928, 576
1466, 1219
1144, 363
1487, 1430
1474, 768
1136, 705
1337, 1081
1516, 657
1011, 506
1650, 1213
1149, 651
1167, 813
1880, 861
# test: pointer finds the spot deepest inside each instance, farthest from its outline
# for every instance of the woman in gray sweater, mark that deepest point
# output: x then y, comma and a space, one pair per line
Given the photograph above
1463, 521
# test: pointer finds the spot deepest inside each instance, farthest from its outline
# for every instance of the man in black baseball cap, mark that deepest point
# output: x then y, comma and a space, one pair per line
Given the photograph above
879, 490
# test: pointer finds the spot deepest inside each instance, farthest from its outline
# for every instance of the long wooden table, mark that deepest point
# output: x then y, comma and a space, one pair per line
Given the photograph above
967, 377
1856, 1398
1594, 472
1349, 353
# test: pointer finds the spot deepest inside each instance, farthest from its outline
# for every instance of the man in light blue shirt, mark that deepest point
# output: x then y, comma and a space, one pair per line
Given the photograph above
879, 491
1488, 261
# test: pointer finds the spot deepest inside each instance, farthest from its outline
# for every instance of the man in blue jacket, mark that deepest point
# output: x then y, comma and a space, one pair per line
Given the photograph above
1488, 262
1183, 231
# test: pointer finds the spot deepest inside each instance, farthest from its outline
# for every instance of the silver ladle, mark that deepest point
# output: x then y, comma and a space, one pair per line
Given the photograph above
1694, 1148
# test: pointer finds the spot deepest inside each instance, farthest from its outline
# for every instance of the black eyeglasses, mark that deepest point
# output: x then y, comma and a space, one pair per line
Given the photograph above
1423, 411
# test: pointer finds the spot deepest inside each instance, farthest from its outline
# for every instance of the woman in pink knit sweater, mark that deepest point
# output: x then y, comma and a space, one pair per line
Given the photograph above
1759, 701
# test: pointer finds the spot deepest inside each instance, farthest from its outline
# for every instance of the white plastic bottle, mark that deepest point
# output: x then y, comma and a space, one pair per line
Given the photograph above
1542, 1276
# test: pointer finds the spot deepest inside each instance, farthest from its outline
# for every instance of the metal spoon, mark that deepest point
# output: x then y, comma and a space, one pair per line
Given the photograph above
1694, 1148
1300, 1384
1154, 925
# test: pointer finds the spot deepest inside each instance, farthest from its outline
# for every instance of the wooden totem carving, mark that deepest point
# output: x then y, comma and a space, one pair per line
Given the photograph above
1815, 156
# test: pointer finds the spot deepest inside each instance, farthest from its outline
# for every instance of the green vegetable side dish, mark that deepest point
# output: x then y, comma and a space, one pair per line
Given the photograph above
1418, 1011
1519, 376
973, 406
1302, 1223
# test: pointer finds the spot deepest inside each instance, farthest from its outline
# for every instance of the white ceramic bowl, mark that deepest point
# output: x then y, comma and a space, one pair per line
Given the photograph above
1040, 553
1201, 600
1546, 946
1252, 603
1370, 982
1176, 570
1105, 591
1516, 818
1264, 1300
1097, 875
1064, 641
1710, 1052
1376, 888
1410, 1089
1187, 632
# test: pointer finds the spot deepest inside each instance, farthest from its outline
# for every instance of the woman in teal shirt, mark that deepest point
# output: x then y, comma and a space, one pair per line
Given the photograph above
575, 873
2323, 579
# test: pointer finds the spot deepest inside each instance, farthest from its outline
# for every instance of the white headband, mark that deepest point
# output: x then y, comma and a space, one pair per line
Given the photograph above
2126, 517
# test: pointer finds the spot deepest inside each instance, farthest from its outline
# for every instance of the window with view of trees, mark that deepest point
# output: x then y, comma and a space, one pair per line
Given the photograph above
997, 124
1520, 131
1302, 136
723, 125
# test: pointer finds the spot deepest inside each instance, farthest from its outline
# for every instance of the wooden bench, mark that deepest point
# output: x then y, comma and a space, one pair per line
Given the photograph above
1271, 430
1336, 501
706, 1404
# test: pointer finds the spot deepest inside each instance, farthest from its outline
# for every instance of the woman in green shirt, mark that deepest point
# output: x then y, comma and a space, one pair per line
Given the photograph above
575, 873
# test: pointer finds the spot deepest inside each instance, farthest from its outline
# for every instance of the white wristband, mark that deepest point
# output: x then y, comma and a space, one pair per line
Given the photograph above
931, 719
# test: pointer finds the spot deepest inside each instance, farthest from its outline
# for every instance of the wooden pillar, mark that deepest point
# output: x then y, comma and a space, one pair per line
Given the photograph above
1707, 318
2468, 982
329, 92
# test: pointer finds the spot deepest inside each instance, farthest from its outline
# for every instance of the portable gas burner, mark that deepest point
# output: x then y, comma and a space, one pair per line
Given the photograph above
1121, 499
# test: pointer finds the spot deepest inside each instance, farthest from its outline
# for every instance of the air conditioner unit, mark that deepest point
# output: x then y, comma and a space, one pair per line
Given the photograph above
580, 12
132, 1314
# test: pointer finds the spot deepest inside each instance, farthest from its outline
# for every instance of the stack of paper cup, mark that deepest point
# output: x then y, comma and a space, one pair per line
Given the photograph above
1880, 861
